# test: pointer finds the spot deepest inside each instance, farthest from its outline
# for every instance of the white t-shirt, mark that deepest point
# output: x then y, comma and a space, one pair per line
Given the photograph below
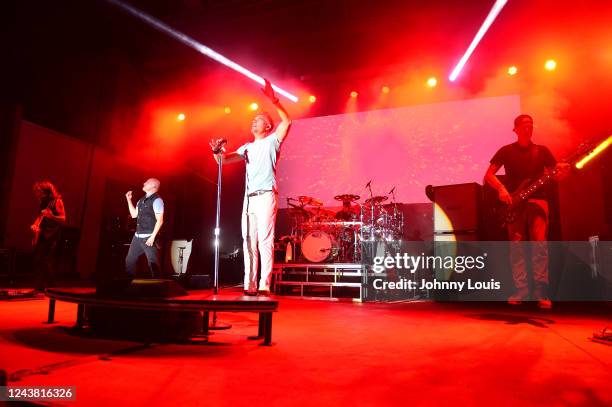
261, 157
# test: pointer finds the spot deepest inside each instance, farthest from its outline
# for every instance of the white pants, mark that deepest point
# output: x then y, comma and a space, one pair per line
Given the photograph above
258, 220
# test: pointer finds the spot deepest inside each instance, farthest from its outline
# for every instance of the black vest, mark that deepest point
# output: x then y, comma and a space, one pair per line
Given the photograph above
146, 215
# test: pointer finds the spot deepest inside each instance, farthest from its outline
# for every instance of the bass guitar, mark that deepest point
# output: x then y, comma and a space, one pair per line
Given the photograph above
506, 213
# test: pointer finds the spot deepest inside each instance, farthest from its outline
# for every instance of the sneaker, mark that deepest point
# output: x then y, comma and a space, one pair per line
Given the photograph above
519, 296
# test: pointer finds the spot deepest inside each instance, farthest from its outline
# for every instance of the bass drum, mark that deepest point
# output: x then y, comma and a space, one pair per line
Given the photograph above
319, 246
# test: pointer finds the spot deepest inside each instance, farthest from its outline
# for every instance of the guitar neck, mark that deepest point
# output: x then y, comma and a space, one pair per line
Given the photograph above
524, 193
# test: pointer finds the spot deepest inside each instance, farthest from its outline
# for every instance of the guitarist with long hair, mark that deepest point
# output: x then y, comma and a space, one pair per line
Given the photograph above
524, 162
46, 229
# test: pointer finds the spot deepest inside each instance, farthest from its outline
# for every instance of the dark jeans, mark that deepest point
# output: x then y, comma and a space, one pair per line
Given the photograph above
45, 260
137, 249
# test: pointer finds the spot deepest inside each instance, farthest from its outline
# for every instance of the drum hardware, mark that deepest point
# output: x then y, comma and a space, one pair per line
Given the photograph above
321, 235
308, 200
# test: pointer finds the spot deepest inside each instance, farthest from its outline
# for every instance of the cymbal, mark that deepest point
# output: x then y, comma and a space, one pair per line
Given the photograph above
347, 197
308, 200
376, 199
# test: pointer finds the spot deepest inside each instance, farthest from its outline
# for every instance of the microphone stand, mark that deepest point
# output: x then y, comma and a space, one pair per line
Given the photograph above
215, 325
369, 186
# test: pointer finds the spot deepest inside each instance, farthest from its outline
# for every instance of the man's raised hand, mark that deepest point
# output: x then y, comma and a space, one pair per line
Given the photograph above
269, 91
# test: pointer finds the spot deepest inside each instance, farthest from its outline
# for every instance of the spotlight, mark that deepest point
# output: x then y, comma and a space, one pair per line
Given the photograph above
180, 117
253, 106
227, 110
550, 65
385, 89
432, 82
354, 94
601, 147
512, 70
199, 47
495, 10
312, 98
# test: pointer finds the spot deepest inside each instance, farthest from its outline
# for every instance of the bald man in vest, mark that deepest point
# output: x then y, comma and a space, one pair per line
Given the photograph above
149, 213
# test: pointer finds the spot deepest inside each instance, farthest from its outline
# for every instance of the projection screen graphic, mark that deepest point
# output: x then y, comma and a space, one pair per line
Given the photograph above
407, 148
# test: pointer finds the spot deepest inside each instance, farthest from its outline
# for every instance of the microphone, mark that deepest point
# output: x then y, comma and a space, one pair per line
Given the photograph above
392, 190
368, 184
219, 146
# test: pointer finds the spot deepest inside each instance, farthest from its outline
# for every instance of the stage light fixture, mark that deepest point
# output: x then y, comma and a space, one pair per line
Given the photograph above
227, 110
312, 98
180, 117
497, 7
550, 65
512, 70
201, 48
597, 150
432, 82
253, 106
354, 94
385, 89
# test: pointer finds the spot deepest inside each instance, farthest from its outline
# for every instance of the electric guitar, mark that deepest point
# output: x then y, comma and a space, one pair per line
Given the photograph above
36, 226
36, 229
506, 214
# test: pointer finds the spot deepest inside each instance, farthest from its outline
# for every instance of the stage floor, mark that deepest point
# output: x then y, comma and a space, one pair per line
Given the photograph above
329, 353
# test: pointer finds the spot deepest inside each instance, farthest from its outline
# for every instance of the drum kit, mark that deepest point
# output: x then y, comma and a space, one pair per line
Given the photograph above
320, 235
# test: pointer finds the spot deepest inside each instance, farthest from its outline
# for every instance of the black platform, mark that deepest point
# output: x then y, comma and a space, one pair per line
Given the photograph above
202, 301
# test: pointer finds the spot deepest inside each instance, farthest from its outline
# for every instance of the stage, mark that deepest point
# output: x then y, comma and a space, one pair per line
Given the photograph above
306, 203
332, 353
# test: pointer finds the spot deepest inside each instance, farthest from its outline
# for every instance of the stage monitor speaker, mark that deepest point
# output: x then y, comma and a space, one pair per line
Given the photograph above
199, 282
457, 207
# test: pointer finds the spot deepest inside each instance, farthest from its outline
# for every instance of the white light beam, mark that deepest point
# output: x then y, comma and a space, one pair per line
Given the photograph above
201, 48
497, 7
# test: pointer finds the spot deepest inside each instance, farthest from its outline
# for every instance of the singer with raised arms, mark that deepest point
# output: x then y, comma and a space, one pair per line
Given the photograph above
261, 191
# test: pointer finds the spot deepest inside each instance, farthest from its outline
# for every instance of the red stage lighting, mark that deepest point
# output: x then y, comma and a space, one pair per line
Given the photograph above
253, 106
550, 65
432, 82
227, 110
512, 70
597, 150
312, 98
354, 94
385, 89
180, 117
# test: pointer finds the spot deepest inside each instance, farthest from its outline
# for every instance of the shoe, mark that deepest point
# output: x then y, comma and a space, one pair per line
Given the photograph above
250, 293
519, 296
263, 293
544, 303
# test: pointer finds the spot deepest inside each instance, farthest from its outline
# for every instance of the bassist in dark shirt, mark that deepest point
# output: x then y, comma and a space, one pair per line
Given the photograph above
524, 162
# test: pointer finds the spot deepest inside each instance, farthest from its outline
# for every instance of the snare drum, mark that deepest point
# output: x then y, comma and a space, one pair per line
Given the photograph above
318, 246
